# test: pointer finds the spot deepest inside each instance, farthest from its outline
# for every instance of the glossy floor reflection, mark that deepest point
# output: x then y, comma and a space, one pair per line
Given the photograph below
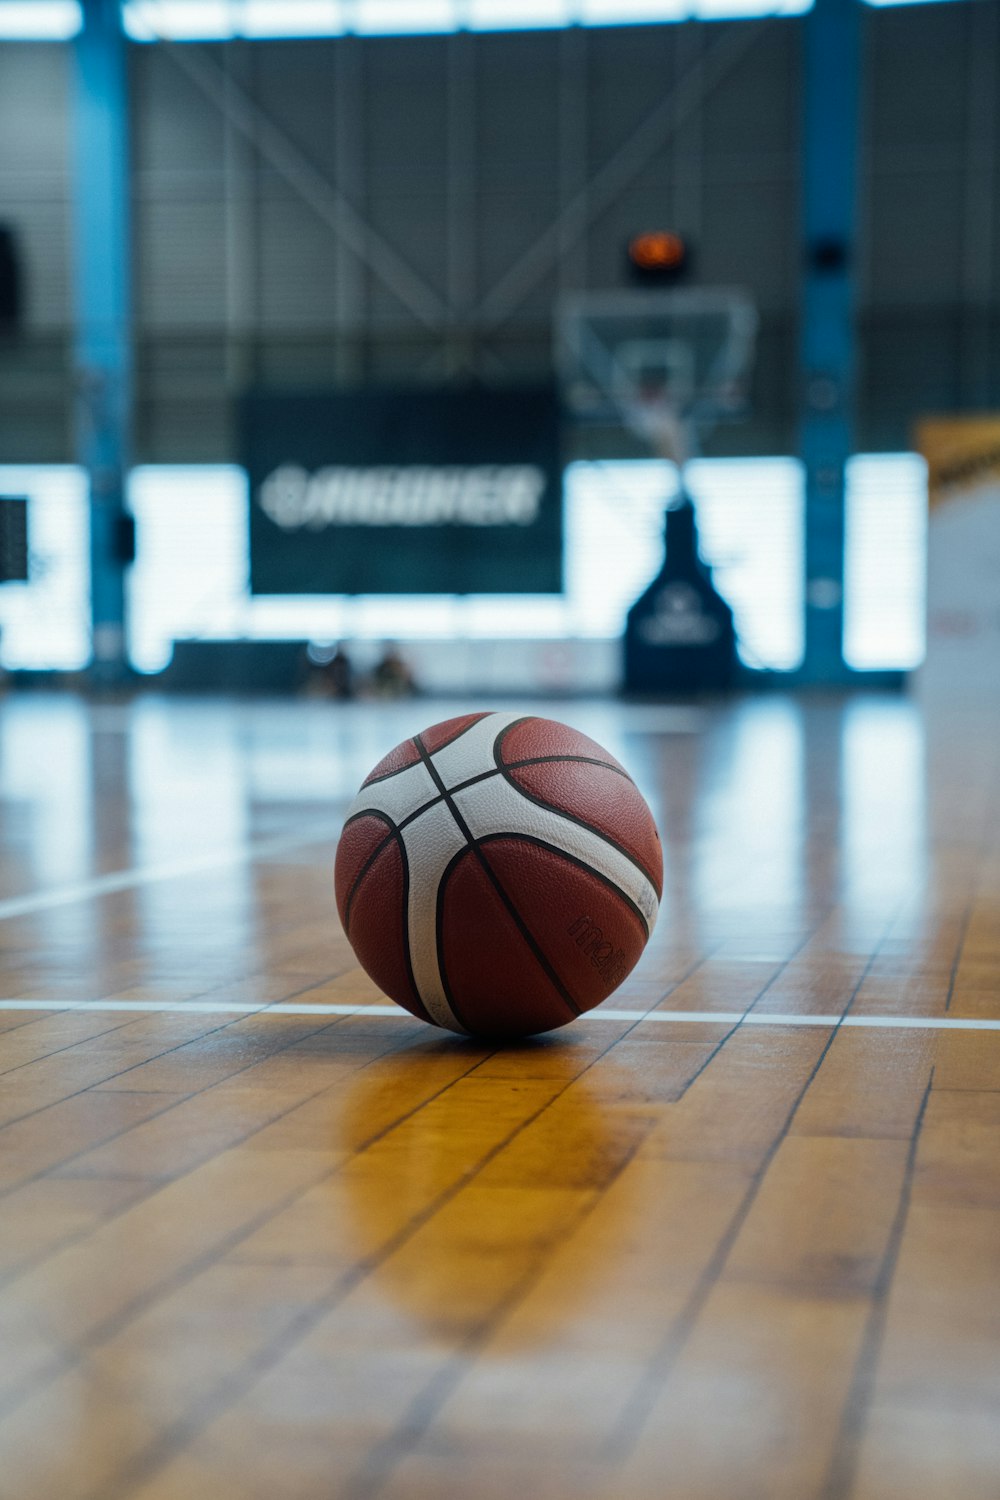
314, 1253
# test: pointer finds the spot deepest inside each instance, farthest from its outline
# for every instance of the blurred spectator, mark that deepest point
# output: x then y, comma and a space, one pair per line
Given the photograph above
339, 674
331, 672
391, 676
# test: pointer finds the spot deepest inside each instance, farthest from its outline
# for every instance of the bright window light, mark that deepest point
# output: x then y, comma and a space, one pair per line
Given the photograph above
213, 20
737, 10
614, 538
264, 18
885, 561
39, 20
45, 623
191, 577
631, 12
628, 12
750, 519
372, 17
751, 514
518, 15
187, 20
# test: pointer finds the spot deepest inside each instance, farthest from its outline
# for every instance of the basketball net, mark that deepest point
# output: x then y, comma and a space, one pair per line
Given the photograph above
654, 418
666, 366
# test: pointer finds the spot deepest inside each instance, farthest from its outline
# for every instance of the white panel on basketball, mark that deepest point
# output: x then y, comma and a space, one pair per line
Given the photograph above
495, 806
399, 795
472, 752
431, 842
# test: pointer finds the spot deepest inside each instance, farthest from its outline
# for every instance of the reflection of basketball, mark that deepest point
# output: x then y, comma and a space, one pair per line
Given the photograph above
498, 874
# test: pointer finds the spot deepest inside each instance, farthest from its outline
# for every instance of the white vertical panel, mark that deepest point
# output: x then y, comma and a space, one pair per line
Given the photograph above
190, 577
614, 538
885, 561
751, 517
45, 622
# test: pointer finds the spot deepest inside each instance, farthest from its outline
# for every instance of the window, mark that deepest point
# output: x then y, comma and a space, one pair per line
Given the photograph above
885, 559
751, 534
191, 576
45, 623
193, 20
39, 20
219, 20
190, 579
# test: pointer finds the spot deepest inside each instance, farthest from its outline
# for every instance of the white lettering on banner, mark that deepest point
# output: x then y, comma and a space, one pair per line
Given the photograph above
417, 495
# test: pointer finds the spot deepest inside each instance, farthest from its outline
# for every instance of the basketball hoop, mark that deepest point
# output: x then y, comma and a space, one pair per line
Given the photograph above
665, 365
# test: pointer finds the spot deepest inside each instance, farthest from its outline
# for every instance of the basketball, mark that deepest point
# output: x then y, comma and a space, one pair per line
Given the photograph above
498, 874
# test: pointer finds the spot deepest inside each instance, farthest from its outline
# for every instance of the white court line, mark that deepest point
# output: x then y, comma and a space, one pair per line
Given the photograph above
126, 880
691, 1017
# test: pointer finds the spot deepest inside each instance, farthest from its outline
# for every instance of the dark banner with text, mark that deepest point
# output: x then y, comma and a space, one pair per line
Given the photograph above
404, 492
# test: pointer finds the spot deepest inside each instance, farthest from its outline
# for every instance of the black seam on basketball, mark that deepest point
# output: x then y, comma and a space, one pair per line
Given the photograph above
546, 760
514, 765
387, 775
486, 714
418, 811
459, 786
467, 835
532, 944
582, 823
502, 734
498, 886
537, 760
446, 795
392, 836
438, 943
393, 833
581, 864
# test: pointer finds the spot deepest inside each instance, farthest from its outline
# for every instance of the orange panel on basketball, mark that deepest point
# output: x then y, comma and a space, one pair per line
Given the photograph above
603, 799
442, 734
495, 980
404, 755
533, 737
361, 839
588, 932
378, 931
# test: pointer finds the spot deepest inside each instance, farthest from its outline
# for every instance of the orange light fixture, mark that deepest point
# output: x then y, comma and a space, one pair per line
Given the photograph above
657, 250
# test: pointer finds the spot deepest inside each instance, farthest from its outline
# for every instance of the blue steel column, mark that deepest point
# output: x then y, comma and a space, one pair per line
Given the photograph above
103, 353
827, 340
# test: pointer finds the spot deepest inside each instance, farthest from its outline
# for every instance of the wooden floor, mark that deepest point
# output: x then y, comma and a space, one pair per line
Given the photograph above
718, 1241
